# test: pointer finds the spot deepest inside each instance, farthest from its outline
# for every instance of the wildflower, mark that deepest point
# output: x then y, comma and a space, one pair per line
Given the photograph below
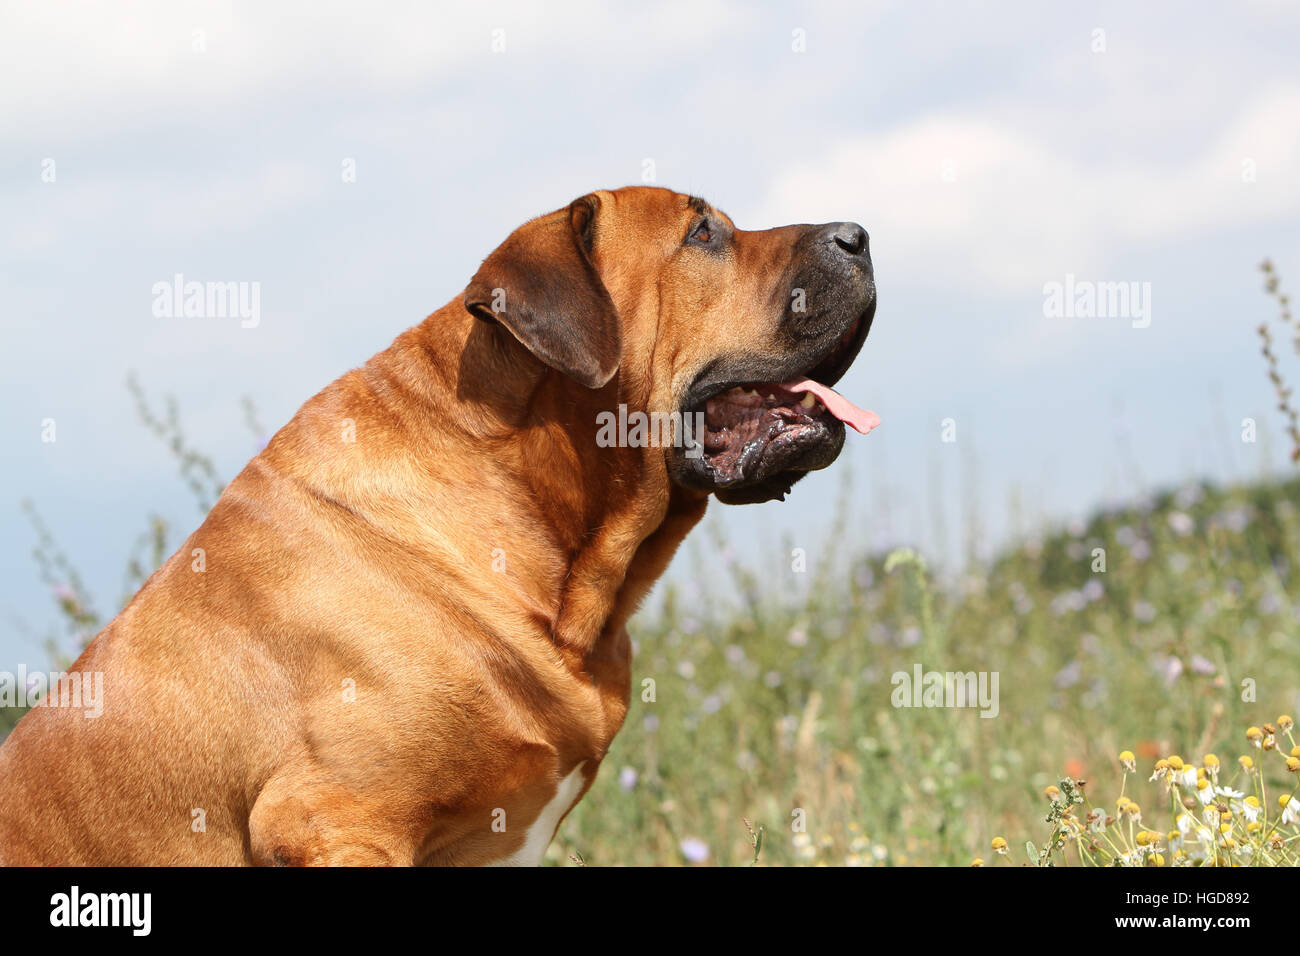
1148, 841
1051, 792
803, 846
1246, 763
1293, 764
1000, 846
627, 778
1254, 735
978, 861
1128, 761
1200, 850
1290, 809
1161, 771
695, 850
1285, 723
1211, 763
1204, 792
1251, 809
1229, 793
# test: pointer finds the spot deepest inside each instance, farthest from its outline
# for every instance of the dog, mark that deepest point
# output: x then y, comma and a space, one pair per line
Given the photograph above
399, 635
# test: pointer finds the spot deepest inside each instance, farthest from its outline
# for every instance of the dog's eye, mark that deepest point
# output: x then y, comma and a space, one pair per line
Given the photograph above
702, 233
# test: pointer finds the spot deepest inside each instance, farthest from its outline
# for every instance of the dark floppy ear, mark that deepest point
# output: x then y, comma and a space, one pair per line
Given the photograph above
540, 284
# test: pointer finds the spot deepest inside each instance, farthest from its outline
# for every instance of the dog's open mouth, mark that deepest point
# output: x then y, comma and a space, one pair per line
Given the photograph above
760, 436
756, 431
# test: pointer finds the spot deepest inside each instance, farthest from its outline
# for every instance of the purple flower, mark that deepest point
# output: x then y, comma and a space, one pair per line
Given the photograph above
695, 850
1069, 675
628, 777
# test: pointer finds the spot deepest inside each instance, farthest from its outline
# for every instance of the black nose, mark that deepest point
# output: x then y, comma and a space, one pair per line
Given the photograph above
850, 237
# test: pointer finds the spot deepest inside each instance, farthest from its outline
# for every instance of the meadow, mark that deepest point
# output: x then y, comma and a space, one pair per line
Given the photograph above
779, 711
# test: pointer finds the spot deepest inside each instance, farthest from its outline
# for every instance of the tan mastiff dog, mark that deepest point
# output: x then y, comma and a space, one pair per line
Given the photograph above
398, 638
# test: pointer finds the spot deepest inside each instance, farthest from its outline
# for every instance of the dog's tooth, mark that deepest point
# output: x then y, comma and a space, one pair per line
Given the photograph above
808, 400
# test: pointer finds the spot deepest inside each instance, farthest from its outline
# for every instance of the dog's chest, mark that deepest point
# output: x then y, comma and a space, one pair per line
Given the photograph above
539, 833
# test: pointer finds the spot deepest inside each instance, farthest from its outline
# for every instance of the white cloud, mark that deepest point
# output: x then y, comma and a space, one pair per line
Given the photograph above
73, 69
1019, 209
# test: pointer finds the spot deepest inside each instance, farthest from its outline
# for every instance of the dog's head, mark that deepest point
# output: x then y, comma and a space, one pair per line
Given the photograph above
661, 293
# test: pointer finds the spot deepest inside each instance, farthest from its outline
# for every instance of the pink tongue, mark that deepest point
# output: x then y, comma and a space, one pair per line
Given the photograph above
836, 404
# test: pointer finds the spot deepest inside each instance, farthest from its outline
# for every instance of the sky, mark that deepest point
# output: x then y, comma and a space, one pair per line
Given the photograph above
357, 162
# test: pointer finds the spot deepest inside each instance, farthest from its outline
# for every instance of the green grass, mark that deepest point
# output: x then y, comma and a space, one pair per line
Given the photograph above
777, 698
